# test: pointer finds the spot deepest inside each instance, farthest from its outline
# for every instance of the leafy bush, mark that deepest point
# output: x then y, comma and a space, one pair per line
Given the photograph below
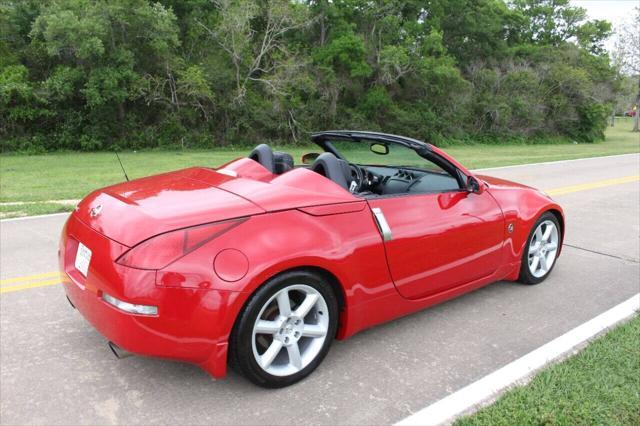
86, 75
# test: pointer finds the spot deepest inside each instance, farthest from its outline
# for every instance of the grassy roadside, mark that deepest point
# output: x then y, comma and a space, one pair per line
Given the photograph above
600, 385
67, 176
618, 140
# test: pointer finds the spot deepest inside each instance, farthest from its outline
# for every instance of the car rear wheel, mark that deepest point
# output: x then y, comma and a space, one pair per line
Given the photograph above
541, 250
285, 330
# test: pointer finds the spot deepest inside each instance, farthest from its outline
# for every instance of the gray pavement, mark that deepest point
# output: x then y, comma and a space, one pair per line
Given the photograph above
55, 369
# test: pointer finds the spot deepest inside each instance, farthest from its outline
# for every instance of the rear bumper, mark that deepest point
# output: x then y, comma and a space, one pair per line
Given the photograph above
192, 324
148, 336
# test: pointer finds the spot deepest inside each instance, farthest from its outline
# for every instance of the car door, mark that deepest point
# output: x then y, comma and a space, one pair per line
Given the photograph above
438, 241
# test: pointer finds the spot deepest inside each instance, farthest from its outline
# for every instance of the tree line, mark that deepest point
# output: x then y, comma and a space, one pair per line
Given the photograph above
98, 74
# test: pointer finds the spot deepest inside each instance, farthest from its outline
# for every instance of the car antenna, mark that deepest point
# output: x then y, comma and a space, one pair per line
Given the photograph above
123, 170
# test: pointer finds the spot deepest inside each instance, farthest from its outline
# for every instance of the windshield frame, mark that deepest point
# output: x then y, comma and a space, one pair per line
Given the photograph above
422, 149
321, 139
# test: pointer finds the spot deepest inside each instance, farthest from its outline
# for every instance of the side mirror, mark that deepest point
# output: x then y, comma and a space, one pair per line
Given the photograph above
310, 157
379, 148
474, 186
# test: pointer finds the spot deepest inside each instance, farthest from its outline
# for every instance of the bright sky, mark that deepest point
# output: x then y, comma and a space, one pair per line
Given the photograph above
614, 11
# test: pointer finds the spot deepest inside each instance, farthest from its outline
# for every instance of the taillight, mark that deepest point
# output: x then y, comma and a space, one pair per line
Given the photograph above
161, 250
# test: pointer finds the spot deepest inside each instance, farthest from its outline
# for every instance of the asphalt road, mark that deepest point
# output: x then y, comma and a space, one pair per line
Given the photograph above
55, 369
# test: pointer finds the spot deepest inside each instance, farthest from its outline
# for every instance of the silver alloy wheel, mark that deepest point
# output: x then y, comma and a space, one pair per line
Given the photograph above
543, 249
290, 330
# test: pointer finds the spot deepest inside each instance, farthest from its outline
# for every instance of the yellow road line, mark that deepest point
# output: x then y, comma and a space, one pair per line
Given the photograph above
38, 280
30, 277
593, 185
18, 287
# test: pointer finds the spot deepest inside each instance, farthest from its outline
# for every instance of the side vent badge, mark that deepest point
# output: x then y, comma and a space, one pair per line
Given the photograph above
383, 226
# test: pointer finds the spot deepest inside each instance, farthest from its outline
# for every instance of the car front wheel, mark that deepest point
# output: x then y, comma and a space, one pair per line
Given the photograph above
541, 250
285, 330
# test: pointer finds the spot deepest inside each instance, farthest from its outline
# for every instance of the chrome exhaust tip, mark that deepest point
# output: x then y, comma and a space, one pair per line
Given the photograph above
118, 351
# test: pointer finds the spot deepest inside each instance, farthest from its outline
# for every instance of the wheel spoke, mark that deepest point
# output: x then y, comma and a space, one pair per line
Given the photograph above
294, 356
539, 235
551, 246
306, 305
543, 263
267, 358
284, 305
547, 233
534, 263
266, 327
535, 247
314, 330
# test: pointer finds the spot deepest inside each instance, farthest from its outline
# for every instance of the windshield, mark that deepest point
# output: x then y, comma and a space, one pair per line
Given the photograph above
374, 153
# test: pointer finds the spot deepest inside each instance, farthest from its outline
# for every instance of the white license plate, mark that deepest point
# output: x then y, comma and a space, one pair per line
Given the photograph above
83, 257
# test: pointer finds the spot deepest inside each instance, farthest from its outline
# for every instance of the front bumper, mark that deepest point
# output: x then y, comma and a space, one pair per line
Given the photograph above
192, 324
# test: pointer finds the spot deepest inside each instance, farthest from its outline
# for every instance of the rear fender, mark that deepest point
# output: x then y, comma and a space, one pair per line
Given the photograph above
346, 245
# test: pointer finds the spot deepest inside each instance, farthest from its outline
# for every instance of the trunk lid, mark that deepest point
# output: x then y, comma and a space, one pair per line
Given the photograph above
134, 211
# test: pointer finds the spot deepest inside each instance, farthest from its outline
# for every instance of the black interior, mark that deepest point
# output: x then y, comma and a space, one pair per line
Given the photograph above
282, 162
263, 154
365, 180
393, 180
274, 161
330, 166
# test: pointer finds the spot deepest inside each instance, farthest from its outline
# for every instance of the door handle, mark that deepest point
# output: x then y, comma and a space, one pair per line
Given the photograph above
382, 223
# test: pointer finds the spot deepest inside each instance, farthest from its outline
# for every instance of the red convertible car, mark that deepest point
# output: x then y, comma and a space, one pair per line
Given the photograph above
260, 264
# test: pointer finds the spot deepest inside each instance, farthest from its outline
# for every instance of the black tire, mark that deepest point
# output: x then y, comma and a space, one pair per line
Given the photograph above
241, 355
526, 277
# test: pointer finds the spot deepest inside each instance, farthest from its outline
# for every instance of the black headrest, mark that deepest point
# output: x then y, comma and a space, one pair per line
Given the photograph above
263, 154
332, 167
282, 162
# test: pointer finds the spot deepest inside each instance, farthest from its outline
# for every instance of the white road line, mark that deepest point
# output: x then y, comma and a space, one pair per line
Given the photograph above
15, 219
555, 162
490, 386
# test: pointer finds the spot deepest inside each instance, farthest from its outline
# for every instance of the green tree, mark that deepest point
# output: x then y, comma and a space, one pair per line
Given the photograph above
87, 74
553, 22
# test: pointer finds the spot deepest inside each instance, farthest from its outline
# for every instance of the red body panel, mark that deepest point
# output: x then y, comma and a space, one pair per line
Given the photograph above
443, 245
441, 241
521, 206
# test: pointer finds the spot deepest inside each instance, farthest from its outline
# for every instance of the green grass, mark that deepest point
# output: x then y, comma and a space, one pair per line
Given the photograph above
618, 140
33, 209
70, 175
600, 386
